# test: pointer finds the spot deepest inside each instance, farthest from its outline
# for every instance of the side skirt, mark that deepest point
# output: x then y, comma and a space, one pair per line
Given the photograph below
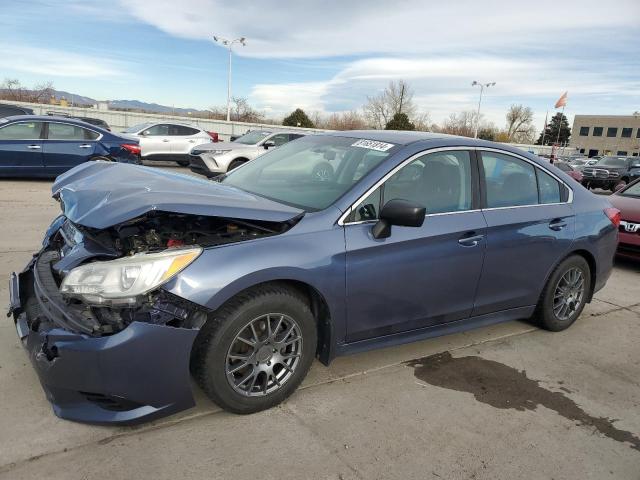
457, 326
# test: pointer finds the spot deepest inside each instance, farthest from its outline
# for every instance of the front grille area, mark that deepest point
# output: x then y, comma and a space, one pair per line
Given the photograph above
599, 173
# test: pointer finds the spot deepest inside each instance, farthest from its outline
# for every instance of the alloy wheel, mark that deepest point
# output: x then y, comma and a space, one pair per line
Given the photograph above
264, 354
569, 294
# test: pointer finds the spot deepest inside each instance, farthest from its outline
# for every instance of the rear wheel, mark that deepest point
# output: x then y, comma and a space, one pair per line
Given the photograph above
256, 350
565, 294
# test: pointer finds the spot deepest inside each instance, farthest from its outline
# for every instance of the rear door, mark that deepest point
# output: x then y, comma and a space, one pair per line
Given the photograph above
67, 145
21, 148
184, 138
530, 227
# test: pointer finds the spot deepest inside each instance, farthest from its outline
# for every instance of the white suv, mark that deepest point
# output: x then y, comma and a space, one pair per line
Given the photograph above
169, 141
217, 158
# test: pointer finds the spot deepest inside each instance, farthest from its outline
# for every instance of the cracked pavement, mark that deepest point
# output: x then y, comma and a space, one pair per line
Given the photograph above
366, 416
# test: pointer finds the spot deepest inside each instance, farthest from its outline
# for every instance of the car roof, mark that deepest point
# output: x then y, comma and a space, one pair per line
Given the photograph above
50, 118
398, 137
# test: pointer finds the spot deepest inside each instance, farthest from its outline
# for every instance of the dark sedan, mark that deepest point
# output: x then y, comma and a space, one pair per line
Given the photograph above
148, 275
46, 146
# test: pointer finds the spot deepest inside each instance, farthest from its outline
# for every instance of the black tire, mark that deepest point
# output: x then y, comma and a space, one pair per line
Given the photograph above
209, 357
235, 164
100, 158
551, 319
183, 163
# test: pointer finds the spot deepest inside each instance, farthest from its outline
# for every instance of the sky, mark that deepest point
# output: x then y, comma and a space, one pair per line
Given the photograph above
328, 56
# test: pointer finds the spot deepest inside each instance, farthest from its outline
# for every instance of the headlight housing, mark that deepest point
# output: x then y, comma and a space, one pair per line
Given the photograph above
125, 280
211, 152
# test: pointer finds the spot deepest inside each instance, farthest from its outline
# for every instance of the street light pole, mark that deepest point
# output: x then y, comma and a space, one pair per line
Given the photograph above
229, 43
482, 87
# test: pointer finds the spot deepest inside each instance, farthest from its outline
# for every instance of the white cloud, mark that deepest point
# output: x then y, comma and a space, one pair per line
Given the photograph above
308, 28
443, 85
58, 63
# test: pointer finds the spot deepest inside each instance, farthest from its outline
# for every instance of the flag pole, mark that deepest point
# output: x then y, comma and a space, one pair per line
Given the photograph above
544, 130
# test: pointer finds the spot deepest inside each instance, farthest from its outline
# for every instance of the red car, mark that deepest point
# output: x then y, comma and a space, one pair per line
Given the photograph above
569, 170
627, 200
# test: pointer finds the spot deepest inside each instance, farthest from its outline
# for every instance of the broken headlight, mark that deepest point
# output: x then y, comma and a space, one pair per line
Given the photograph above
123, 281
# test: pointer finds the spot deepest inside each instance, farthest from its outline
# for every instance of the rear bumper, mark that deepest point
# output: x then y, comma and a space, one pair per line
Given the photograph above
135, 375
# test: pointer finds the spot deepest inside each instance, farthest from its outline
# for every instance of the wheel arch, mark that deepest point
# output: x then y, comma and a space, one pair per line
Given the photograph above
319, 307
591, 261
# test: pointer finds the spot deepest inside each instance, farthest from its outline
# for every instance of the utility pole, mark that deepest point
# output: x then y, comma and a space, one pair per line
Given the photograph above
229, 43
482, 87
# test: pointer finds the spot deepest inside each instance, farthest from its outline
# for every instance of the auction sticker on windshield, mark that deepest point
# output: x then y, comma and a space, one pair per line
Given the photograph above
373, 145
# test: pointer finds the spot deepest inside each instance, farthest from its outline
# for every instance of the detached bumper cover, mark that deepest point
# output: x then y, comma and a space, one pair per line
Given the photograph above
136, 375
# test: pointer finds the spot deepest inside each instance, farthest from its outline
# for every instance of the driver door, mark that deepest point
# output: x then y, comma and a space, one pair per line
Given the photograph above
419, 276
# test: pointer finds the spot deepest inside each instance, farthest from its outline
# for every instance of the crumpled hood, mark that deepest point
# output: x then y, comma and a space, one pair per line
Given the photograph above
103, 194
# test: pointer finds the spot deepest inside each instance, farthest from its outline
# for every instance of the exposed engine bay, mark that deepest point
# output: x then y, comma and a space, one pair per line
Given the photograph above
156, 231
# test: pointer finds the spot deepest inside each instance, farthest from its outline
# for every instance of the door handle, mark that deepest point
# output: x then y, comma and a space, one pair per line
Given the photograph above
34, 147
192, 141
165, 139
85, 145
557, 225
471, 241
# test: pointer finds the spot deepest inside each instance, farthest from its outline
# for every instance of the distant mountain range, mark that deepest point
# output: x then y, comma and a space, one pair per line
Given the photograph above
123, 104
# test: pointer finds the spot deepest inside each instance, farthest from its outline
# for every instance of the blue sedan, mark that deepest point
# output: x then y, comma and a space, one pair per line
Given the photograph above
46, 146
149, 275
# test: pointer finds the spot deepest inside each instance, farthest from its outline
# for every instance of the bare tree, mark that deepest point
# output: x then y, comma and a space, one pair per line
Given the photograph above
12, 89
462, 123
397, 97
345, 121
519, 124
241, 111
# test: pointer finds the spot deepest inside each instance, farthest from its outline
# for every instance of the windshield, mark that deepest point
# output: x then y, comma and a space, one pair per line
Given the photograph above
137, 128
613, 161
632, 190
312, 172
251, 138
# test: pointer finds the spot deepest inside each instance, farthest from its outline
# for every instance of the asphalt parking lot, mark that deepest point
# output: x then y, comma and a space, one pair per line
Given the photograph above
503, 402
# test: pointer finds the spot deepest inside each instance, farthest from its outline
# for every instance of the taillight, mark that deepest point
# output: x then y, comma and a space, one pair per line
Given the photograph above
131, 148
614, 215
214, 137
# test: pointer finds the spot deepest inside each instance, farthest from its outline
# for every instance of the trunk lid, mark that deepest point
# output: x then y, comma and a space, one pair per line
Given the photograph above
102, 194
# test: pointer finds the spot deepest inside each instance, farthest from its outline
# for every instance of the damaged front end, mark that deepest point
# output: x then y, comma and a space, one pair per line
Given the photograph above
109, 344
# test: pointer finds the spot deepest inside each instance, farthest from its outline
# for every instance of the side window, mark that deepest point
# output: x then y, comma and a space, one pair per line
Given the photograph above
157, 130
440, 181
549, 187
509, 181
64, 131
181, 130
280, 139
21, 131
293, 136
368, 209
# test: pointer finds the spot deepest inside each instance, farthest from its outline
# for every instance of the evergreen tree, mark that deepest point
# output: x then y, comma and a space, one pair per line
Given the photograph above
298, 119
400, 121
558, 122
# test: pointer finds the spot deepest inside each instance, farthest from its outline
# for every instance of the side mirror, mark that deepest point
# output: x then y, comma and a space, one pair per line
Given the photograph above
268, 144
402, 213
635, 165
145, 133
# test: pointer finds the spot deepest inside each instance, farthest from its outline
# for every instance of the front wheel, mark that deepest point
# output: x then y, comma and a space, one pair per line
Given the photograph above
256, 350
565, 294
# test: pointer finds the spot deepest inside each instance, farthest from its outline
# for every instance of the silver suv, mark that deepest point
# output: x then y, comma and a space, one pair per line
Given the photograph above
213, 159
